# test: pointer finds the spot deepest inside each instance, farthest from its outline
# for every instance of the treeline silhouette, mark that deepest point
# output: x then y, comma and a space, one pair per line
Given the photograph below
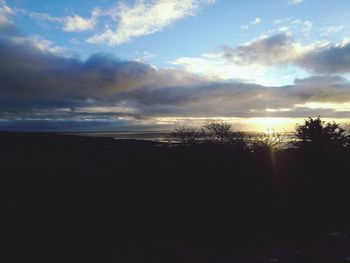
209, 195
313, 133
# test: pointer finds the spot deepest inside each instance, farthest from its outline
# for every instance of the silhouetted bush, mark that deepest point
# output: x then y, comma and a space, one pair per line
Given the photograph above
219, 132
215, 133
273, 141
186, 136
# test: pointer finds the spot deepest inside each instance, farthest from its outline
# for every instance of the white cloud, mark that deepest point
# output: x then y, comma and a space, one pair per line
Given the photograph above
216, 67
274, 59
43, 16
47, 46
40, 43
256, 21
252, 23
345, 42
78, 23
143, 56
295, 26
5, 13
331, 30
284, 29
295, 2
306, 25
146, 17
220, 69
72, 23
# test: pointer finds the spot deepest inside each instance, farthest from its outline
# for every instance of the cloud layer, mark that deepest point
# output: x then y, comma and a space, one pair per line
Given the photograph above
40, 85
43, 83
268, 53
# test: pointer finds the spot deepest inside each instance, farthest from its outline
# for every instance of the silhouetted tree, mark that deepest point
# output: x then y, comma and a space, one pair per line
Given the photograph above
316, 133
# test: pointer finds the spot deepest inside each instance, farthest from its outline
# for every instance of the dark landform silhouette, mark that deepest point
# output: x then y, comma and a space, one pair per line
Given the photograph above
214, 199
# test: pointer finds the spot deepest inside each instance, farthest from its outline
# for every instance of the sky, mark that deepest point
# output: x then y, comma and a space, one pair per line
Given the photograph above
104, 65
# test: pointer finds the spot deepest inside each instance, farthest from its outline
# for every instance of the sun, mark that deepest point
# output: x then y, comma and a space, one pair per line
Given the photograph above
271, 125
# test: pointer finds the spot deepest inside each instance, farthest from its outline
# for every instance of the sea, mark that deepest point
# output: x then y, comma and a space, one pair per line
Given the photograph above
163, 136
128, 135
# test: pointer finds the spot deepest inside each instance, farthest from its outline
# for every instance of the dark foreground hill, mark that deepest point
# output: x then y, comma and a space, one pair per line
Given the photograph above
79, 199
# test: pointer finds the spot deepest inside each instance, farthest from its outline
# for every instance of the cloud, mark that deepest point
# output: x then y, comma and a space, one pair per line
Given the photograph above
54, 91
265, 55
252, 23
143, 18
216, 67
330, 59
322, 88
39, 43
143, 56
5, 13
331, 30
305, 24
256, 21
43, 16
295, 2
282, 49
64, 79
271, 58
244, 100
72, 23
77, 23
273, 49
292, 26
52, 79
146, 17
